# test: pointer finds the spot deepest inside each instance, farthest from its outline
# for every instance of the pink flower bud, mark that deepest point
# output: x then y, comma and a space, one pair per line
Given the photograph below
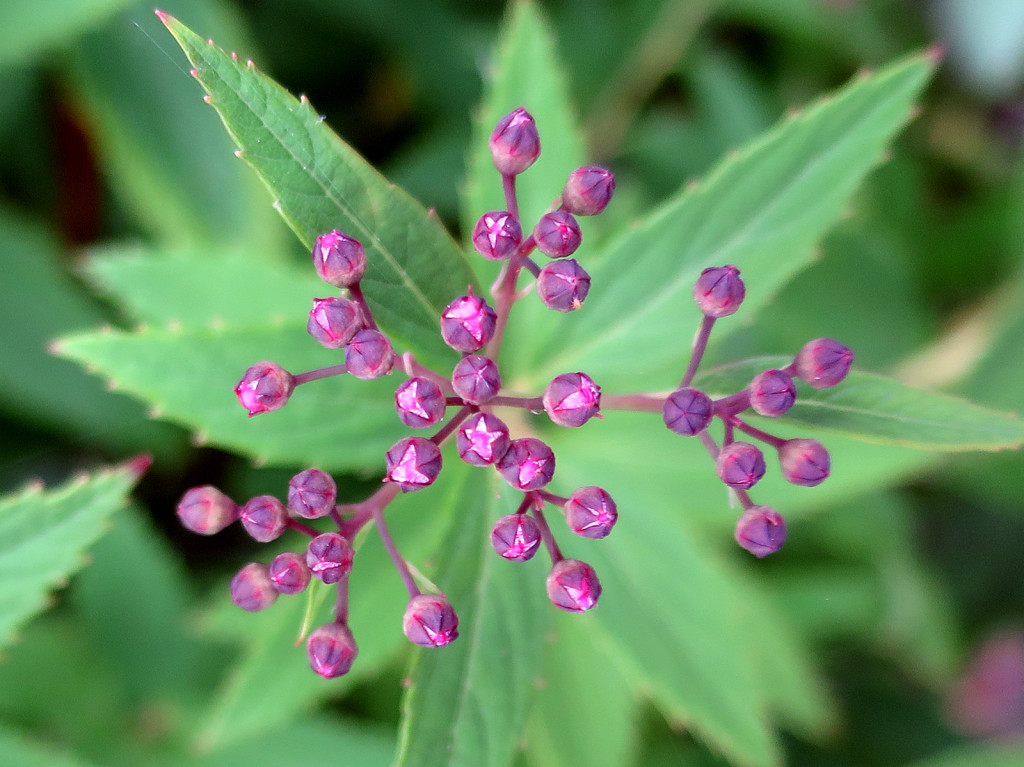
265, 386
430, 621
719, 291
206, 510
588, 190
573, 586
515, 143
331, 650
339, 259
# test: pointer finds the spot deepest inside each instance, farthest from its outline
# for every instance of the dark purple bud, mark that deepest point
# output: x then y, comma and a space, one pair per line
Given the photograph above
719, 291
329, 557
687, 411
468, 323
591, 512
312, 494
528, 464
740, 465
265, 386
339, 259
482, 439
772, 392
557, 234
761, 530
588, 190
419, 402
206, 510
497, 235
369, 355
515, 143
572, 399
563, 285
476, 379
430, 621
264, 518
332, 650
289, 573
252, 589
516, 537
333, 321
804, 462
573, 586
413, 463
823, 362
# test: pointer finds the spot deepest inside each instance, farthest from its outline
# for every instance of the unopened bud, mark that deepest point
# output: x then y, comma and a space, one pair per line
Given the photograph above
289, 573
591, 512
333, 321
572, 399
476, 379
516, 537
719, 291
515, 143
206, 510
528, 464
563, 285
740, 465
369, 355
557, 234
761, 530
413, 463
312, 494
265, 386
497, 235
468, 323
482, 439
419, 402
339, 259
823, 362
332, 650
588, 190
430, 621
804, 462
264, 518
252, 589
687, 411
772, 392
573, 586
329, 557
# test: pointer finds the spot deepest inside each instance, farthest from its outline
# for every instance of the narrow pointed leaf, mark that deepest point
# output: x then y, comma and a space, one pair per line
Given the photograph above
188, 375
44, 535
763, 209
881, 410
467, 703
320, 183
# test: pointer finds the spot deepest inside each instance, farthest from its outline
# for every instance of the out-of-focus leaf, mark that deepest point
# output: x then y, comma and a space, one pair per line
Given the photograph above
582, 688
35, 386
362, 744
19, 751
881, 410
978, 755
29, 27
272, 681
140, 632
190, 288
45, 533
467, 704
164, 153
319, 183
762, 210
187, 375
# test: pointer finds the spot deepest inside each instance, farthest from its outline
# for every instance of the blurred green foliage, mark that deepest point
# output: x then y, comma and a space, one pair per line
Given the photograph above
897, 572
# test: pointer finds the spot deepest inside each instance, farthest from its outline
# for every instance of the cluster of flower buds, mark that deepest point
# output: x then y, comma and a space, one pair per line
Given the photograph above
688, 411
473, 327
474, 390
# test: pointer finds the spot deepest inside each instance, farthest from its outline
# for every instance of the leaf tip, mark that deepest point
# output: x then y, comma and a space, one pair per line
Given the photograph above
194, 72
55, 347
200, 438
250, 64
207, 99
238, 153
154, 412
936, 53
165, 18
234, 56
138, 465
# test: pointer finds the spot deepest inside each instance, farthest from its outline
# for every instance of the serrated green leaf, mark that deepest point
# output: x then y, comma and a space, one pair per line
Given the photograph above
467, 703
762, 210
188, 287
881, 410
320, 183
272, 681
165, 156
676, 625
28, 28
188, 376
44, 535
34, 385
19, 751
